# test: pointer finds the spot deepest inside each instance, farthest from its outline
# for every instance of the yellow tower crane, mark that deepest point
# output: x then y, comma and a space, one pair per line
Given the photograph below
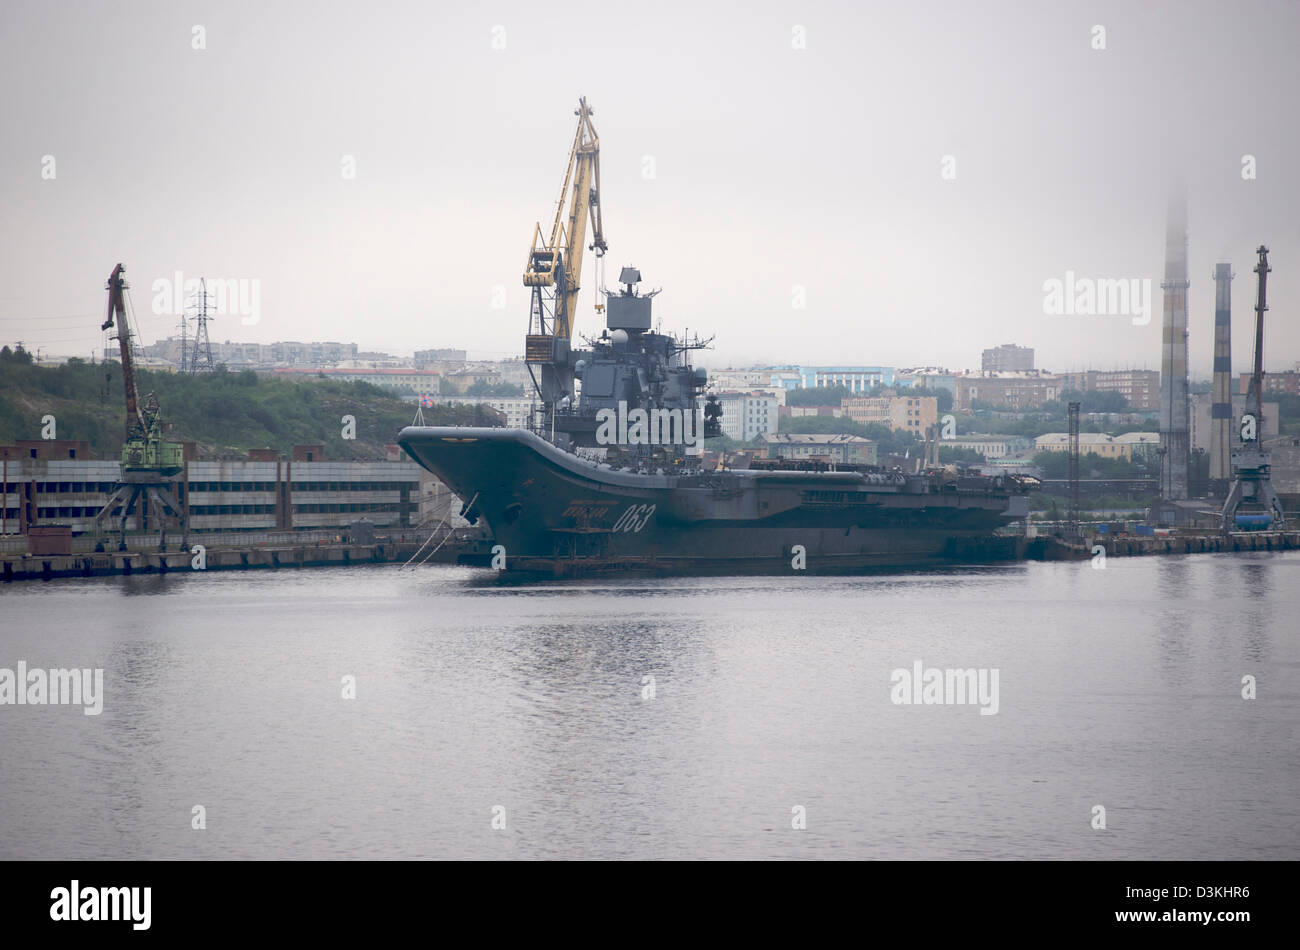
557, 263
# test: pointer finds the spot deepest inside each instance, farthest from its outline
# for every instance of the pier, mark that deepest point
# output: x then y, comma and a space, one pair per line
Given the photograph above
342, 553
1061, 549
263, 556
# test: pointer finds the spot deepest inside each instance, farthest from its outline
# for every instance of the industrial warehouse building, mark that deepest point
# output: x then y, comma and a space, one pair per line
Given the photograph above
41, 484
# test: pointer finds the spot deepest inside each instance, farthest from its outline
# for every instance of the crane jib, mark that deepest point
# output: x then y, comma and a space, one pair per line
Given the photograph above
557, 262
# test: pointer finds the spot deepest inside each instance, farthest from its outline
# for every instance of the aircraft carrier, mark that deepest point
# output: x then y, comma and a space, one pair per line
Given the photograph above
609, 476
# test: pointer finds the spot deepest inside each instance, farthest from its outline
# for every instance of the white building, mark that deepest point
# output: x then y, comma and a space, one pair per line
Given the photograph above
741, 380
856, 379
416, 380
747, 415
518, 410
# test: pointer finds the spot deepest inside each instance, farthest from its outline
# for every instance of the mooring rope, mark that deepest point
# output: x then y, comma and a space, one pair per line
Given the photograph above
449, 533
435, 534
431, 536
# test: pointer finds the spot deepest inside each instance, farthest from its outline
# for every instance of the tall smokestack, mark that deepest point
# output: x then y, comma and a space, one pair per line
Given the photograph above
1175, 425
1221, 407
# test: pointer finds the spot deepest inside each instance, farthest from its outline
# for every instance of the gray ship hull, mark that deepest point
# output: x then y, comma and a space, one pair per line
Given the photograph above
554, 512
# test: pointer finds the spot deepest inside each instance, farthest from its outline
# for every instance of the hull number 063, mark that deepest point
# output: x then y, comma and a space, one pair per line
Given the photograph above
634, 519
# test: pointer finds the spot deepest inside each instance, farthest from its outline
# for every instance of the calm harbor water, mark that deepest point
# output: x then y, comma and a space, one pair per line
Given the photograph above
1118, 687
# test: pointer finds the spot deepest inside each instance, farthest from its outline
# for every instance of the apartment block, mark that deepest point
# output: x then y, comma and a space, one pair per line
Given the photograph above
1007, 358
914, 414
416, 380
1287, 381
1010, 390
518, 410
748, 415
258, 355
1141, 387
440, 356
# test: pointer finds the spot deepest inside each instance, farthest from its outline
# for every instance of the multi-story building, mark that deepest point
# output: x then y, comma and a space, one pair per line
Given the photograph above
240, 495
990, 446
1287, 381
518, 410
46, 449
784, 377
419, 381
43, 488
1007, 358
795, 412
515, 372
929, 377
440, 356
1082, 381
914, 414
1126, 447
729, 380
840, 448
1012, 390
857, 379
747, 415
462, 379
258, 355
1141, 387
1140, 444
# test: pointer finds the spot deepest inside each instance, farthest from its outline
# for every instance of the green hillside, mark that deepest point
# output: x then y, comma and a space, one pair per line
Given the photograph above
225, 413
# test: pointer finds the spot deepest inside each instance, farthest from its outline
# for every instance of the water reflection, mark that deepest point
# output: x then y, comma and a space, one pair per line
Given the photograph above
768, 692
1257, 606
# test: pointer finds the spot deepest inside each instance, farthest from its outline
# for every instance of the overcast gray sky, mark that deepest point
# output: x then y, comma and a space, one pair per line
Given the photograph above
774, 167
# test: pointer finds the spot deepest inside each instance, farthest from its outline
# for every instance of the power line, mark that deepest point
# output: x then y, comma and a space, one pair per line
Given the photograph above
54, 324
49, 340
60, 316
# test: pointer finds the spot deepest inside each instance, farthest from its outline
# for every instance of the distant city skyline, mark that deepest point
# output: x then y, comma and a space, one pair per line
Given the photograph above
364, 353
